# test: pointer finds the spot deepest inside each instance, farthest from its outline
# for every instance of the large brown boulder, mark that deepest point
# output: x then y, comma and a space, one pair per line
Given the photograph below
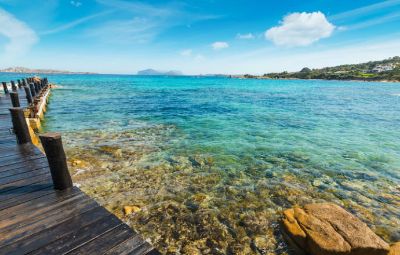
395, 249
328, 229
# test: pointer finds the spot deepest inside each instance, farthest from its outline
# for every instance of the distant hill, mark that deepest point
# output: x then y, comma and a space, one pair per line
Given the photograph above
384, 70
155, 72
43, 71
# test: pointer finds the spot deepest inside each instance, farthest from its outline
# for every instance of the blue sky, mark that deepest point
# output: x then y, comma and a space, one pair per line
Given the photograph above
196, 37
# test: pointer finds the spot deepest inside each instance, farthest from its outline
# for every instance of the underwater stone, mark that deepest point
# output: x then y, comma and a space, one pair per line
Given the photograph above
130, 209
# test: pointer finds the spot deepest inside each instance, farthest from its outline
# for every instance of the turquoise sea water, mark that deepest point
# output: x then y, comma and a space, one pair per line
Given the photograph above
211, 162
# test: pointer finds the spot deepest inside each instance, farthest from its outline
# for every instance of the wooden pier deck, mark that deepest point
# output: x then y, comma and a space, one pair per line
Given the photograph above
37, 219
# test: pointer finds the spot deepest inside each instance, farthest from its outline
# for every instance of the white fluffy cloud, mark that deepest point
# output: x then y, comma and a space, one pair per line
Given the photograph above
300, 29
220, 45
20, 36
248, 36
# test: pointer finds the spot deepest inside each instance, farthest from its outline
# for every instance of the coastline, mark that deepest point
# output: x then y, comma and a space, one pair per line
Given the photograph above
337, 80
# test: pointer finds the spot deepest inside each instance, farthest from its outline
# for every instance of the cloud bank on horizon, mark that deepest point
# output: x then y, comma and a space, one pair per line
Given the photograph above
204, 37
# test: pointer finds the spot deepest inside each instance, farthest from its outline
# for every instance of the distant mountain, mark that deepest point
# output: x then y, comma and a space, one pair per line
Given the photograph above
44, 71
155, 72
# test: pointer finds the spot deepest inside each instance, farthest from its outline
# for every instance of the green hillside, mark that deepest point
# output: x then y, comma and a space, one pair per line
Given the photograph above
384, 70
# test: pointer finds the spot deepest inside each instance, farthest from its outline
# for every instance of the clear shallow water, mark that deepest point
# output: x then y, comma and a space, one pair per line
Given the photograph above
211, 162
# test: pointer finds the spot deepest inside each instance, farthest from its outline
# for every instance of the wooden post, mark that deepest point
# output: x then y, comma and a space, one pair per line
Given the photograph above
19, 125
5, 87
24, 82
32, 87
14, 88
14, 99
52, 145
28, 95
37, 90
19, 83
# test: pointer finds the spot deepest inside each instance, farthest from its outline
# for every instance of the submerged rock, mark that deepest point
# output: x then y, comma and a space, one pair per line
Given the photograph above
130, 209
327, 229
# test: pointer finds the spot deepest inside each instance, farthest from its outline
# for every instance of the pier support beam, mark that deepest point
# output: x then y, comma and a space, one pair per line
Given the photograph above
28, 94
5, 87
13, 87
20, 126
52, 145
14, 99
32, 87
37, 89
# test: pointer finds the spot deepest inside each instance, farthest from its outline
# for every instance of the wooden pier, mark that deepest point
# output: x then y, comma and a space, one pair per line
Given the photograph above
36, 218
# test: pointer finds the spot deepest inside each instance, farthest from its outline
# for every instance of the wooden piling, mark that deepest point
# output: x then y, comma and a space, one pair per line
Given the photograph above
13, 87
19, 83
37, 90
32, 87
28, 94
52, 144
5, 87
14, 99
20, 126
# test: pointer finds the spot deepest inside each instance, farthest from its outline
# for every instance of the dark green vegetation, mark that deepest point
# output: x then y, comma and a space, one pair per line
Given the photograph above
384, 70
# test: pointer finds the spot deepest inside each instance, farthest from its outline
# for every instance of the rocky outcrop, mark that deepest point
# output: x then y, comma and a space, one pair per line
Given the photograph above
395, 249
327, 229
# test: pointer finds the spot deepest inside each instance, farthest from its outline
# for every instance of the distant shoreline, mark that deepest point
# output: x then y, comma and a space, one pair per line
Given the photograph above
5, 72
268, 78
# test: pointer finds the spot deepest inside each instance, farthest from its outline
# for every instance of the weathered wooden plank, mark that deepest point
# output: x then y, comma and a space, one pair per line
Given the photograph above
133, 245
46, 220
26, 179
41, 241
86, 234
19, 176
28, 196
30, 207
24, 218
22, 167
21, 150
25, 189
9, 162
153, 252
9, 187
105, 242
144, 248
